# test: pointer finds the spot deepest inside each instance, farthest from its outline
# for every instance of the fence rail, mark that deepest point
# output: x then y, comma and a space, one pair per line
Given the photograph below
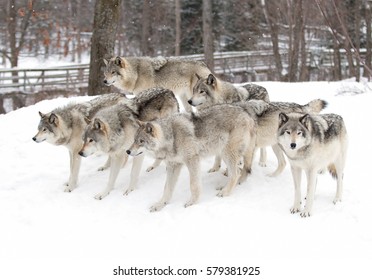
250, 64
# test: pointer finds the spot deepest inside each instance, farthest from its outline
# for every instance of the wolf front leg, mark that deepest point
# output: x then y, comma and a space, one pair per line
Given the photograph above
296, 174
136, 169
173, 171
311, 175
75, 162
195, 180
115, 165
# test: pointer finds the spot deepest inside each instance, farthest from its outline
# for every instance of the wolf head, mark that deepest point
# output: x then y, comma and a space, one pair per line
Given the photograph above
51, 129
204, 91
294, 131
148, 137
119, 73
95, 138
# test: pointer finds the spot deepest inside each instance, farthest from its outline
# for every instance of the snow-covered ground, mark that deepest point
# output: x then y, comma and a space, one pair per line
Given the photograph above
49, 234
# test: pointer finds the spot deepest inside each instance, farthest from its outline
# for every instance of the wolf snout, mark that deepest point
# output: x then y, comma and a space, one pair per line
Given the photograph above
293, 145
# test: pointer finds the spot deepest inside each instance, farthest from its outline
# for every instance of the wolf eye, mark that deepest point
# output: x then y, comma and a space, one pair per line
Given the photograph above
91, 140
288, 132
44, 129
299, 132
141, 141
113, 72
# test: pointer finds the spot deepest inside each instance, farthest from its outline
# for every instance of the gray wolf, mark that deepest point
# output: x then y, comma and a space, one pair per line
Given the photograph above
313, 143
183, 139
112, 131
65, 126
211, 90
135, 74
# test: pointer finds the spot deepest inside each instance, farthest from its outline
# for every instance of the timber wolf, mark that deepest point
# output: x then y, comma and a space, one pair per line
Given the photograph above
65, 126
135, 74
211, 90
112, 131
183, 139
313, 143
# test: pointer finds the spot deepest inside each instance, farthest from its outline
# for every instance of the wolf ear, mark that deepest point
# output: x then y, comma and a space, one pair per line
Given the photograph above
98, 124
53, 119
150, 129
283, 118
105, 62
197, 76
141, 124
119, 62
41, 115
305, 120
211, 80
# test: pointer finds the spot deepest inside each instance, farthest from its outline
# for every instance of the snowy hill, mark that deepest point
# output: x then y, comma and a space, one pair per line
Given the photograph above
48, 234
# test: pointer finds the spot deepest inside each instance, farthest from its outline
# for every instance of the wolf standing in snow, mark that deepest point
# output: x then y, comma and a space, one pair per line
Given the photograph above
135, 74
112, 131
183, 139
313, 143
65, 126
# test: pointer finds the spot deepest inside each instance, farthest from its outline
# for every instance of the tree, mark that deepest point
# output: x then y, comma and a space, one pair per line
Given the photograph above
105, 25
208, 34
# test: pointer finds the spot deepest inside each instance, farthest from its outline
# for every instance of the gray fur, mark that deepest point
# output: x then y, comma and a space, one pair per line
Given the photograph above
136, 74
112, 131
313, 143
226, 130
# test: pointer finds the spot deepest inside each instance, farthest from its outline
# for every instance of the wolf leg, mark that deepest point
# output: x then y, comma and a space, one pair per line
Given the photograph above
173, 171
116, 163
195, 180
154, 165
311, 185
216, 165
281, 160
75, 162
134, 173
296, 174
263, 157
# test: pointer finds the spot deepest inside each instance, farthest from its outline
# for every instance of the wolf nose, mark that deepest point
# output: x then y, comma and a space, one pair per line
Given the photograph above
128, 152
293, 145
189, 101
34, 138
81, 153
105, 82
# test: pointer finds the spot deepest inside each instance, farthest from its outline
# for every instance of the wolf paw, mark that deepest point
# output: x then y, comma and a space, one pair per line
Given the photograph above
157, 206
68, 189
100, 196
337, 199
226, 173
262, 164
150, 168
223, 192
189, 203
102, 168
214, 169
295, 210
305, 214
128, 191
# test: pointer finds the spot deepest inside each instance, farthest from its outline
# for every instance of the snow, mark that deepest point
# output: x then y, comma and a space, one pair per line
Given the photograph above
49, 234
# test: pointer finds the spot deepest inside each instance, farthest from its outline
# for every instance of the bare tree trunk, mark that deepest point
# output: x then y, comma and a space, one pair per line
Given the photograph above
145, 35
273, 28
208, 34
356, 11
304, 73
337, 75
106, 18
12, 30
177, 51
369, 40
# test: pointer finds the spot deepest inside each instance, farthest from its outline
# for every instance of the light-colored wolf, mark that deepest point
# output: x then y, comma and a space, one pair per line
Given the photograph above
135, 74
65, 126
223, 129
112, 131
211, 90
313, 143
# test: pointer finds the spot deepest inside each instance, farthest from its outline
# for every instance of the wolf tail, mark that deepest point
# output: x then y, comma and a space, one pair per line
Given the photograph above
254, 107
332, 171
316, 105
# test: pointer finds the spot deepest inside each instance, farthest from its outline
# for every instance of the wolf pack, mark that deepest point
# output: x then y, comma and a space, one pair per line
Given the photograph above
217, 119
